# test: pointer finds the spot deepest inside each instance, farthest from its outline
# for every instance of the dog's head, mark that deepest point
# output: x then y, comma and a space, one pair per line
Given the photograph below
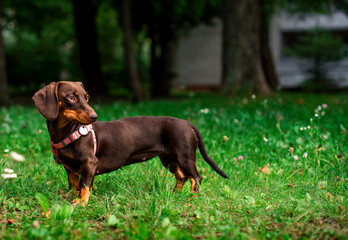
66, 101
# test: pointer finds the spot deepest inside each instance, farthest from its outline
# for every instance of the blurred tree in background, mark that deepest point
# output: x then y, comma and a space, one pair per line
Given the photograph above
51, 40
85, 12
242, 57
4, 96
322, 48
164, 21
38, 37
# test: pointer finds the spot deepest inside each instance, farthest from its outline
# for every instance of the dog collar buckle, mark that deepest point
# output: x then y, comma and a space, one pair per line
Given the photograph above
83, 130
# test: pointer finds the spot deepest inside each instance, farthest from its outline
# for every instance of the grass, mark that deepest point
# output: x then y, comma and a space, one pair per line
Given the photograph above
300, 197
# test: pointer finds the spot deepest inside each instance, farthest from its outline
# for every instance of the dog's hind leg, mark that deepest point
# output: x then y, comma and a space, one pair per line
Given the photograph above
171, 163
188, 166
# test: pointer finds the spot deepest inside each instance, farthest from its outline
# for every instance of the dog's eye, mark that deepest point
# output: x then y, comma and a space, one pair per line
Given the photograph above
87, 97
71, 97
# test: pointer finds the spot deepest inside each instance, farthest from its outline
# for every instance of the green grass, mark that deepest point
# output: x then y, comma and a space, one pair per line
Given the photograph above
305, 198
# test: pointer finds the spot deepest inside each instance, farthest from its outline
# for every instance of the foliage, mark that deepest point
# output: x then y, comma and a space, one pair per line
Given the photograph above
321, 47
38, 41
301, 194
182, 13
40, 38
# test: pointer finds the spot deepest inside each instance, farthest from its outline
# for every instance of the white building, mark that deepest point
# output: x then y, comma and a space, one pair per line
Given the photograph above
199, 55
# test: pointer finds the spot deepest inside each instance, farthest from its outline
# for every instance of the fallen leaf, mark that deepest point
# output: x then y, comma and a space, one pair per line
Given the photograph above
10, 221
47, 214
36, 224
291, 185
300, 101
340, 208
64, 194
235, 160
328, 195
224, 139
265, 169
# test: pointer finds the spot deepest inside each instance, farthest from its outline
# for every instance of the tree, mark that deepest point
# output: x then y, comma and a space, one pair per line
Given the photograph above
131, 66
242, 65
164, 21
4, 95
241, 46
87, 41
267, 10
39, 31
321, 47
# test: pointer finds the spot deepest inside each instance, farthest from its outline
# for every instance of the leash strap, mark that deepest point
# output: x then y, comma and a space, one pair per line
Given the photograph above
72, 138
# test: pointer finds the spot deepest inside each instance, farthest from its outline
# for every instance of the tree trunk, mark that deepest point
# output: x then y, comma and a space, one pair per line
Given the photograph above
4, 96
86, 35
266, 56
131, 66
156, 68
168, 59
163, 56
242, 67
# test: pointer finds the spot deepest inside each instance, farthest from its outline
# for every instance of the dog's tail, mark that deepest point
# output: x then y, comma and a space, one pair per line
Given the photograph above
204, 153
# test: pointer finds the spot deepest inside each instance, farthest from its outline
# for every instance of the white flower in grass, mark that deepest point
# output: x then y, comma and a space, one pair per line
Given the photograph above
240, 157
296, 157
316, 115
305, 155
265, 139
253, 96
6, 150
324, 105
8, 175
204, 111
17, 157
7, 170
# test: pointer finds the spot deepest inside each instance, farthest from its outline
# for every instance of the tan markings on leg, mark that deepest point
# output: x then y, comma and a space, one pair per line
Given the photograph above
194, 187
74, 182
83, 197
180, 178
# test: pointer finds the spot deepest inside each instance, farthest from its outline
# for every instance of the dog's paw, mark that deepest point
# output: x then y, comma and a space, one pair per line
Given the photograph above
75, 202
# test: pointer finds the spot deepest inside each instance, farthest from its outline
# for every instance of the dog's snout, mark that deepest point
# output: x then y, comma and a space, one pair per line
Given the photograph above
93, 117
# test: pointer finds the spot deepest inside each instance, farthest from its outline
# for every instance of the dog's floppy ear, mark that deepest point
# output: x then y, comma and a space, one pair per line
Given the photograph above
81, 84
46, 101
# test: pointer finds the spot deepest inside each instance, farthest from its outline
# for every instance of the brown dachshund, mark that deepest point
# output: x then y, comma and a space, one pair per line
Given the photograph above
88, 148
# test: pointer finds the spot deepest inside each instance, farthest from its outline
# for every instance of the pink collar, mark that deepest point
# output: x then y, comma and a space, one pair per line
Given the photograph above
83, 131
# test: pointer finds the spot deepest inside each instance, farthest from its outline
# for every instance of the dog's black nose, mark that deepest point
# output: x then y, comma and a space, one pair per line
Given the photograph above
93, 117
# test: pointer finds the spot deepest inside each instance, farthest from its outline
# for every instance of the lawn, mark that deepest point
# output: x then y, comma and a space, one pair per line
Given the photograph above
286, 157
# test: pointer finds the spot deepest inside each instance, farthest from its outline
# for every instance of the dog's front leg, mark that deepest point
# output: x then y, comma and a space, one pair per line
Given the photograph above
87, 175
74, 181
